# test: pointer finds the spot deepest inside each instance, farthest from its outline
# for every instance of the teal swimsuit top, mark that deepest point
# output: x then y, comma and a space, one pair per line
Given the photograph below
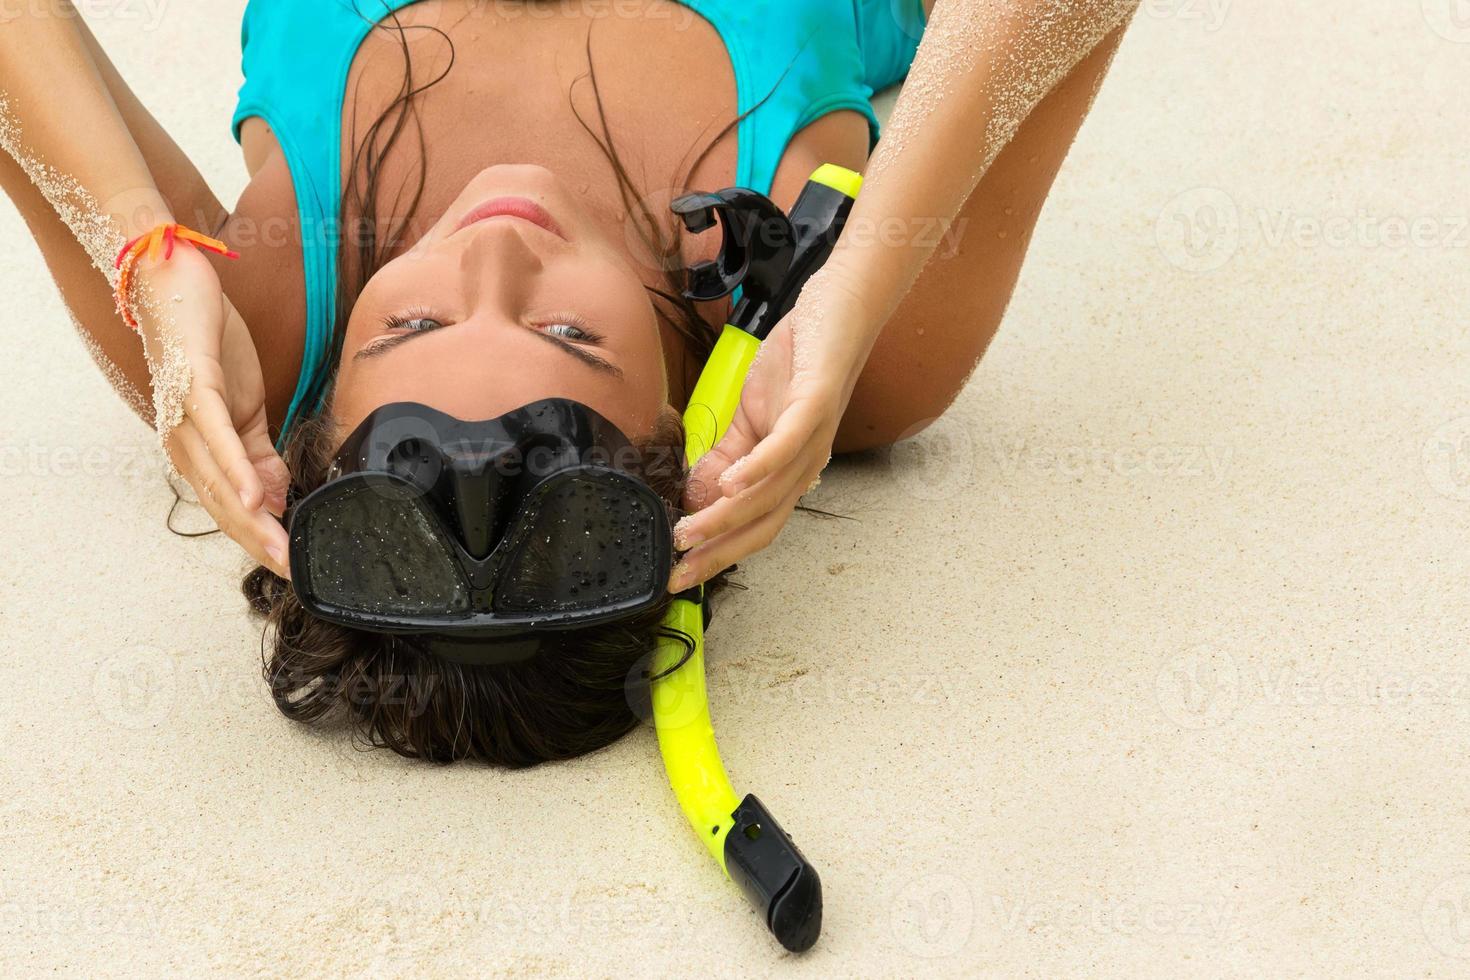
805, 58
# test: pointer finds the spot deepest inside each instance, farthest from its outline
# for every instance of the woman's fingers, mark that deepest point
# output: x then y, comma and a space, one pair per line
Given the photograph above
759, 493
708, 560
255, 530
791, 433
211, 417
702, 487
275, 478
728, 513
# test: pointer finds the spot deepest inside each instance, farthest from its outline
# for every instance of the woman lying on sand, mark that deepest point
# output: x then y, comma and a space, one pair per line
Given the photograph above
465, 205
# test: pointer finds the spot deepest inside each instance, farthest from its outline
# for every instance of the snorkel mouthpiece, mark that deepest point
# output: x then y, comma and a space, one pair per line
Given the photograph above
766, 254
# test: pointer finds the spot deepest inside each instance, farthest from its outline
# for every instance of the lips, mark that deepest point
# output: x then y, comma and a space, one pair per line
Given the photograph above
513, 207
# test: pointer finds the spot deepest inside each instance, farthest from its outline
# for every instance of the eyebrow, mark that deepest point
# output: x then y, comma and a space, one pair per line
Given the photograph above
379, 348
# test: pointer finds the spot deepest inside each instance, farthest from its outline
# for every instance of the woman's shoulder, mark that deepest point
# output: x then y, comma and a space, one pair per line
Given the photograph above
840, 138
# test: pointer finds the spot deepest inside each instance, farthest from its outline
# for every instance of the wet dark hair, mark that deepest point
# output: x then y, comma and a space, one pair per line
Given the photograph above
574, 698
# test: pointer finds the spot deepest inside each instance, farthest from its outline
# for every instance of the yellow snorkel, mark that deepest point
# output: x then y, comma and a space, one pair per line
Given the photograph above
770, 256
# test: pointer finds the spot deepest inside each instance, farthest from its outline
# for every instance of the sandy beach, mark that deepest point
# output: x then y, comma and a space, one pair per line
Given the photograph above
1146, 660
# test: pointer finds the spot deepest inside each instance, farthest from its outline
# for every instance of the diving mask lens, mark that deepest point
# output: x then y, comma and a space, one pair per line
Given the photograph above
386, 557
585, 541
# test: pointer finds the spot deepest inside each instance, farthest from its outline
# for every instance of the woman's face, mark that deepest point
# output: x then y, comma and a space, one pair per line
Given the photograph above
516, 294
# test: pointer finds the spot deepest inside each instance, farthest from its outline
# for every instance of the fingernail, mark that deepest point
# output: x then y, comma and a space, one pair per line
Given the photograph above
683, 540
277, 555
681, 578
730, 482
239, 485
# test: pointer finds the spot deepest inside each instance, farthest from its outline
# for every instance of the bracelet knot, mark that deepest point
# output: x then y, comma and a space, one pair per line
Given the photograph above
158, 243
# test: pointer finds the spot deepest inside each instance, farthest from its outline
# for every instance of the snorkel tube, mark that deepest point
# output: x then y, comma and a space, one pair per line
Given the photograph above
770, 256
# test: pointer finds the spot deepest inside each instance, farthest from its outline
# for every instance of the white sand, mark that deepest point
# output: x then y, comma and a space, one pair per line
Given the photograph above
1067, 701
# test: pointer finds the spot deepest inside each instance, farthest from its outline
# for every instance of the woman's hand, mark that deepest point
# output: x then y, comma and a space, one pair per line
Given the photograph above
210, 398
743, 491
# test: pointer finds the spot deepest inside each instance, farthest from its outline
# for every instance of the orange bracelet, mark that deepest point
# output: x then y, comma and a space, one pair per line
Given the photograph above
159, 240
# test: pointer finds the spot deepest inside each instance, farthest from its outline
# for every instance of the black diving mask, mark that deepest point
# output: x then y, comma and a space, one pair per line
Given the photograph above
481, 537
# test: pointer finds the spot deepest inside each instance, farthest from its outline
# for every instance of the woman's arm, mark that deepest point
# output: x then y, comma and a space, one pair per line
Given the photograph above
61, 124
982, 69
86, 291
931, 345
65, 131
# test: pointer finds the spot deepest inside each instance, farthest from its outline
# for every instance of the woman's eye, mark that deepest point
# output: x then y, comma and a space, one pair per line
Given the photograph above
568, 331
413, 323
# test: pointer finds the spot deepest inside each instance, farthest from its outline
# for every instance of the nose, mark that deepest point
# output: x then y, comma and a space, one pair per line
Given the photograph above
500, 262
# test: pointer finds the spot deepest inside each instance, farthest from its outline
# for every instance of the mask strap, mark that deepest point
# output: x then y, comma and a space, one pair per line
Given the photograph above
483, 651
